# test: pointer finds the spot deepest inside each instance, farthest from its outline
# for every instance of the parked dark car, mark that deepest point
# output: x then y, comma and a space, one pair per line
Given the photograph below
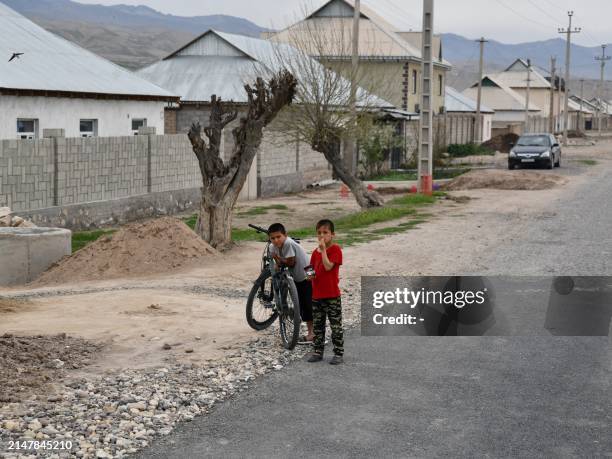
535, 150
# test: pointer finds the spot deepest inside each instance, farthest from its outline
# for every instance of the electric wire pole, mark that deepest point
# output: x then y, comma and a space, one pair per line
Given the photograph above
425, 163
580, 116
600, 105
479, 126
553, 84
569, 31
351, 149
526, 130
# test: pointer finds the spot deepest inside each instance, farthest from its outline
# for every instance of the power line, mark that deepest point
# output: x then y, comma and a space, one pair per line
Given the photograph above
556, 20
521, 15
399, 10
397, 15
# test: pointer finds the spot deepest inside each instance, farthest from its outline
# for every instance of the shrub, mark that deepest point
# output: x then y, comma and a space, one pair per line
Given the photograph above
468, 149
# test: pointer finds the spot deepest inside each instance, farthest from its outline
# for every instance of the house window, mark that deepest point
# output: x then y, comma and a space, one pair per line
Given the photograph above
88, 128
27, 128
137, 123
441, 83
414, 81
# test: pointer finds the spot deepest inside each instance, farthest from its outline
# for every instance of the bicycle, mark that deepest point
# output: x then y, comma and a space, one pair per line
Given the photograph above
273, 296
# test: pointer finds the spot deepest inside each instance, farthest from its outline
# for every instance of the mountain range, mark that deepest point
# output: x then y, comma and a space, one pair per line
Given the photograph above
135, 36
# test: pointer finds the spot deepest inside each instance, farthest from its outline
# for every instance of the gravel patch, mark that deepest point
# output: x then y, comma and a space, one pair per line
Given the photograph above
117, 414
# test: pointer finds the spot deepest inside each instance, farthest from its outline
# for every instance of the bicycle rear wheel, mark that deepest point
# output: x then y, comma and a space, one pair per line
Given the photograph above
260, 313
289, 318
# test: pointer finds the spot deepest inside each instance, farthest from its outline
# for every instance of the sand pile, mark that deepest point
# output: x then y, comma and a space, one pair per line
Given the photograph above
502, 143
504, 180
156, 246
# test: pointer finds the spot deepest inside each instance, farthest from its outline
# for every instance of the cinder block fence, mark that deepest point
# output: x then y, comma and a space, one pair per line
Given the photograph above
82, 183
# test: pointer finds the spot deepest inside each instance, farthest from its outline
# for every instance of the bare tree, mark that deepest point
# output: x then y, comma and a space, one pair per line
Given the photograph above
221, 182
321, 116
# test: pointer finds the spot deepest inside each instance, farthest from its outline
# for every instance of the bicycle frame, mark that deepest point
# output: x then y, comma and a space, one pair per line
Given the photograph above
277, 278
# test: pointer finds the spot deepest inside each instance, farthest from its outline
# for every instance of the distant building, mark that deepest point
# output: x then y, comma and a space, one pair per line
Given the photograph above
53, 83
455, 102
389, 59
220, 64
509, 105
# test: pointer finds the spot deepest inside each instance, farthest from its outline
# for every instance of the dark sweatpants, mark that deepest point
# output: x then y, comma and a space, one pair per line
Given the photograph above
304, 290
323, 309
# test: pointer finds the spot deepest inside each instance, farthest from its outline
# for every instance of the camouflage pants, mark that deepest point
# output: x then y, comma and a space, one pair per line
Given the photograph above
322, 310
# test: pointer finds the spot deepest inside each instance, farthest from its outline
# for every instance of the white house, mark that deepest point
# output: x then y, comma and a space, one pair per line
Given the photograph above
509, 105
49, 82
217, 63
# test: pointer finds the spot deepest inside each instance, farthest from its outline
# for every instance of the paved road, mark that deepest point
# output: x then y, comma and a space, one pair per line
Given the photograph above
442, 397
573, 237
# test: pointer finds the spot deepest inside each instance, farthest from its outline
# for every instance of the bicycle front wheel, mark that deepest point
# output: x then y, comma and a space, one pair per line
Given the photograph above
260, 313
289, 317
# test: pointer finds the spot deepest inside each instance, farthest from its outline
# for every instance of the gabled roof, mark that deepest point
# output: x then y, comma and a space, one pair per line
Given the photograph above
574, 106
602, 105
220, 64
515, 79
500, 97
517, 66
454, 101
586, 105
52, 65
333, 23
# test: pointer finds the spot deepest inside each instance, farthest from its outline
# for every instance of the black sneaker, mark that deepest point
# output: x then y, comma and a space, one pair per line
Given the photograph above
336, 360
315, 357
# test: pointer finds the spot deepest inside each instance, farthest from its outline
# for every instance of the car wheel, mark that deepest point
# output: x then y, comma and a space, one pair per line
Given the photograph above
551, 163
558, 163
511, 166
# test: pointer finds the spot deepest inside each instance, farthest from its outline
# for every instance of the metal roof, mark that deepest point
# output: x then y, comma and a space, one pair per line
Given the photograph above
500, 97
454, 101
574, 106
516, 79
51, 64
220, 64
332, 24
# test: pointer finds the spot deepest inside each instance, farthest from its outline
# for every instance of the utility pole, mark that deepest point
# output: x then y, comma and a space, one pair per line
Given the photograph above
553, 83
425, 164
580, 123
600, 105
479, 133
527, 96
350, 150
569, 31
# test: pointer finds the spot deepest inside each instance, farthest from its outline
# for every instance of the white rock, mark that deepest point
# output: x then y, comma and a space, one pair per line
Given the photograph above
11, 425
27, 224
35, 425
101, 454
137, 406
57, 363
16, 221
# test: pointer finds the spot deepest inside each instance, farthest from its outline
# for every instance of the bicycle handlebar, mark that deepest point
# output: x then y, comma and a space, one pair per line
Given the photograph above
259, 229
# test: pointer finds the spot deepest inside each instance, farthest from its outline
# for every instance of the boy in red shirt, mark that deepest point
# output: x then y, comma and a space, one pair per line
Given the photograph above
326, 300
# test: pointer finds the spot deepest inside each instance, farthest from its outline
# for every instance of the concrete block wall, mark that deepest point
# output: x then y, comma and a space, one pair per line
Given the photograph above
26, 174
101, 168
57, 180
312, 165
174, 166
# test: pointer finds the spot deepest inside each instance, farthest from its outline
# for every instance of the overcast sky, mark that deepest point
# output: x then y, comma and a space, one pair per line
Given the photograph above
509, 21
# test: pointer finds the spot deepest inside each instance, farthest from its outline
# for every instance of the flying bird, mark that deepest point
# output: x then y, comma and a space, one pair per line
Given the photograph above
15, 56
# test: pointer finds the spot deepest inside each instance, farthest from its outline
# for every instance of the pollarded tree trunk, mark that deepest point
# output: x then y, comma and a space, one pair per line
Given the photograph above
329, 147
222, 183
